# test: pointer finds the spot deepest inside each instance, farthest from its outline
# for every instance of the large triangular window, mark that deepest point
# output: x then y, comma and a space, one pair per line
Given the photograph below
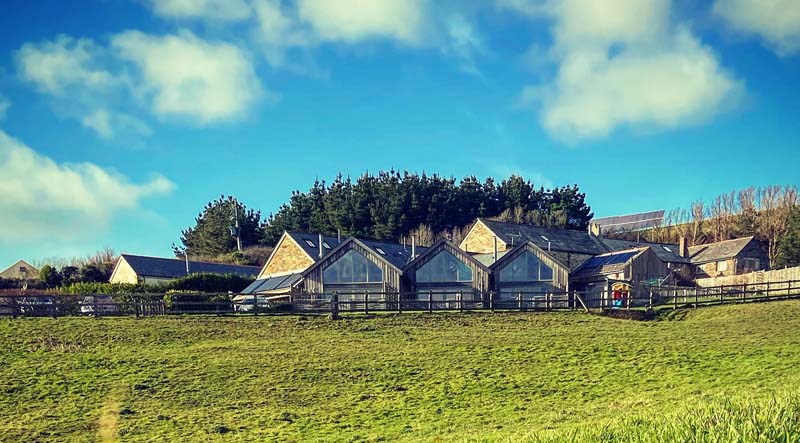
526, 268
444, 268
352, 267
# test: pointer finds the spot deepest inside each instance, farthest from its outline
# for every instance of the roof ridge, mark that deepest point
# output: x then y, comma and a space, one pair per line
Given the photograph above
190, 260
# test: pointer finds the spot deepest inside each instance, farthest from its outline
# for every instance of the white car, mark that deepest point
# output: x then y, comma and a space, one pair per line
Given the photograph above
103, 303
246, 302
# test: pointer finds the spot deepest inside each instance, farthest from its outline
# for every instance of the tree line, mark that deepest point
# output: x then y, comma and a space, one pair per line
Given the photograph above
770, 213
385, 206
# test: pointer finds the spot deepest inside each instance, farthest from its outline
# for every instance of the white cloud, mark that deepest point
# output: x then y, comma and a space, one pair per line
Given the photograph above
5, 103
775, 21
288, 32
76, 74
45, 199
186, 76
55, 66
350, 21
108, 123
624, 63
212, 10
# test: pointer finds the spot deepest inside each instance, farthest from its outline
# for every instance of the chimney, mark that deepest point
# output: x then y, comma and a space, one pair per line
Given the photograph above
683, 247
495, 249
413, 247
338, 235
595, 229
320, 245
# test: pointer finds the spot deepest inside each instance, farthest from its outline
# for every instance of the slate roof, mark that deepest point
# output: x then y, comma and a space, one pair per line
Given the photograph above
397, 254
303, 240
176, 268
605, 264
627, 223
272, 284
667, 252
580, 242
718, 251
565, 240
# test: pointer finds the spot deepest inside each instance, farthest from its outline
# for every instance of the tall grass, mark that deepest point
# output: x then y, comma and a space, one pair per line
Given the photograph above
776, 420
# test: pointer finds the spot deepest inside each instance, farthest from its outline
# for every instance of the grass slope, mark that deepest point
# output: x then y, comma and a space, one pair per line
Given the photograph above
410, 377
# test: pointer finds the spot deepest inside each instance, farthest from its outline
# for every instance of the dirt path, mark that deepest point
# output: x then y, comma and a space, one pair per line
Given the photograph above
107, 423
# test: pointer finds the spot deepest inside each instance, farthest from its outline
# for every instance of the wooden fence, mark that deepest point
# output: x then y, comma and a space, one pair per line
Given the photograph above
774, 275
641, 297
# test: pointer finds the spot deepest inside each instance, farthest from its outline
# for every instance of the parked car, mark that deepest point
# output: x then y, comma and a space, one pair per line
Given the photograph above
246, 303
98, 305
36, 306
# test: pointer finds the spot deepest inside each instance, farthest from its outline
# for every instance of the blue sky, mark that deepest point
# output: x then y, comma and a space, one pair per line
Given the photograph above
120, 119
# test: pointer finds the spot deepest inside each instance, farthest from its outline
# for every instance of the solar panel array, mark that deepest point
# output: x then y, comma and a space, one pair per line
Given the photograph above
627, 223
271, 284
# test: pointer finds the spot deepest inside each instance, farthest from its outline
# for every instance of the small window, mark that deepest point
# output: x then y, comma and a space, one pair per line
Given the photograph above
311, 243
380, 251
667, 248
722, 266
544, 238
326, 245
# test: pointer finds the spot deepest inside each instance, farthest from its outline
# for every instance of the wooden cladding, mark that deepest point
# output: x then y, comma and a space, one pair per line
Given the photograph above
314, 282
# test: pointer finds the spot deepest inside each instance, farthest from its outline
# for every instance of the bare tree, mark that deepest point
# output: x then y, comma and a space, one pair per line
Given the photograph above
698, 214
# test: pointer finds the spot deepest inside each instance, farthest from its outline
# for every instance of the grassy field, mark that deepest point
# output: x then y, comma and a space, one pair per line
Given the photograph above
712, 375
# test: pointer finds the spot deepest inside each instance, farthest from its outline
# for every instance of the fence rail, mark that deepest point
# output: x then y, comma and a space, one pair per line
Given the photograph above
640, 297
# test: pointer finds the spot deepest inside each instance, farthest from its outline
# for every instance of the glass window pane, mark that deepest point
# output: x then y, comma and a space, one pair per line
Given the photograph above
444, 268
352, 267
525, 268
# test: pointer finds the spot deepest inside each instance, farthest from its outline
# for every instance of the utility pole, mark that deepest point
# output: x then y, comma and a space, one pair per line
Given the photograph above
235, 229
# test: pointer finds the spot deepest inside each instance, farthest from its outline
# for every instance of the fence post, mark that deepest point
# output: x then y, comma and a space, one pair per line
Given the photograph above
399, 302
135, 306
519, 301
335, 306
15, 309
491, 301
94, 305
366, 302
650, 299
430, 301
675, 298
695, 297
744, 292
460, 301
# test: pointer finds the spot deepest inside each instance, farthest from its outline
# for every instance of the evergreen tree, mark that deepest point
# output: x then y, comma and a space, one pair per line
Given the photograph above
389, 205
211, 235
789, 249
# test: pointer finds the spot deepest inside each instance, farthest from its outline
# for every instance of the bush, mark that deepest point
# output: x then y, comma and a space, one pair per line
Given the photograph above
201, 283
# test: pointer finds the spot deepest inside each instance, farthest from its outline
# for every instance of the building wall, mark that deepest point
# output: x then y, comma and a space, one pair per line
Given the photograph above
313, 282
646, 267
480, 239
287, 257
753, 250
123, 273
13, 272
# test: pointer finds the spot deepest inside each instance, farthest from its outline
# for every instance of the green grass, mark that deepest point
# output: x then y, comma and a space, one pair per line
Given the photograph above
707, 375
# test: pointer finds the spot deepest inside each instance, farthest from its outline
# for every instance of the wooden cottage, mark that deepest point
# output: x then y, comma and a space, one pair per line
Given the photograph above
356, 267
445, 274
640, 265
528, 269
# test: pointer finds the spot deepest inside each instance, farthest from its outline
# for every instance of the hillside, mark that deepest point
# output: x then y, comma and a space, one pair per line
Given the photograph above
395, 378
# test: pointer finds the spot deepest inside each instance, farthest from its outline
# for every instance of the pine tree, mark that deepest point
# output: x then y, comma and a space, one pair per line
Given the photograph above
211, 235
789, 249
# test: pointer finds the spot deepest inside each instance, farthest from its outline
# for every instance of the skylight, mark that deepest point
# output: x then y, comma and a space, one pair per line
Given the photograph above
326, 245
311, 243
380, 251
667, 249
544, 238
